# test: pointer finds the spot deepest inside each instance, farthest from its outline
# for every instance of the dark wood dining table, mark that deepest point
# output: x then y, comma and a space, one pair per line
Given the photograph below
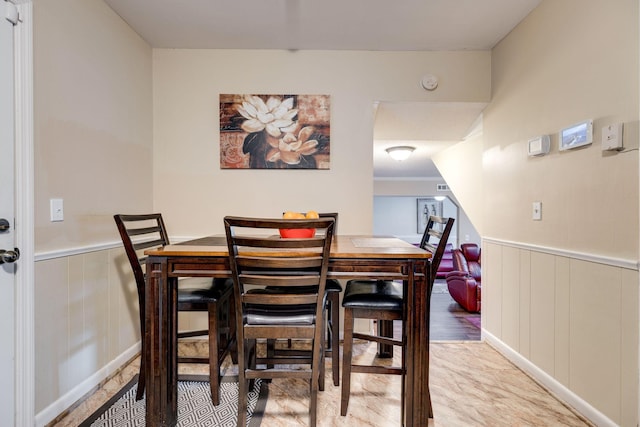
352, 257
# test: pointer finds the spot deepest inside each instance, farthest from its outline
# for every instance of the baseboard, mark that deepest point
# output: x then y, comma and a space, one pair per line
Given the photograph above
556, 388
80, 391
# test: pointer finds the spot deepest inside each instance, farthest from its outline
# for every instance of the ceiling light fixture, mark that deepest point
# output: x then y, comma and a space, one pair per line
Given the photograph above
401, 152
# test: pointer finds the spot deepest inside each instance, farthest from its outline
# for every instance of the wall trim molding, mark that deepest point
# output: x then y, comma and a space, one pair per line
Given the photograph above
78, 393
599, 259
80, 250
557, 389
64, 253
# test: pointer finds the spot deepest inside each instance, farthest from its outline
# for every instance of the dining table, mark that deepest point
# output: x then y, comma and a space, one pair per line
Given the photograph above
351, 257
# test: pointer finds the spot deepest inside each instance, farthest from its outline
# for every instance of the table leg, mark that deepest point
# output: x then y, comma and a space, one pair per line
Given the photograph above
385, 329
417, 397
161, 367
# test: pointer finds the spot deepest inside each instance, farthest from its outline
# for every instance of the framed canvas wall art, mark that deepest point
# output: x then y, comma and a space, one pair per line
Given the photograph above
274, 131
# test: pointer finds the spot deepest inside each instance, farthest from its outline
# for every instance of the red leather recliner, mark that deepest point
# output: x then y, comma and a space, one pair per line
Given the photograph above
446, 263
464, 282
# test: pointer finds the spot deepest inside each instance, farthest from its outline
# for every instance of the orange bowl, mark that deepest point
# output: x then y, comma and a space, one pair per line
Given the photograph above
297, 233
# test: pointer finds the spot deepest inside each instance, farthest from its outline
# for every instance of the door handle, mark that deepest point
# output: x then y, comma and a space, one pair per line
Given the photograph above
9, 257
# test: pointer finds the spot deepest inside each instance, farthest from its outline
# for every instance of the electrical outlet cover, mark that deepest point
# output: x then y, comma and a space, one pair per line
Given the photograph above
612, 137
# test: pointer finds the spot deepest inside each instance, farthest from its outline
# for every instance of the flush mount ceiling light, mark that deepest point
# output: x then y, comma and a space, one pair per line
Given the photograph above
400, 152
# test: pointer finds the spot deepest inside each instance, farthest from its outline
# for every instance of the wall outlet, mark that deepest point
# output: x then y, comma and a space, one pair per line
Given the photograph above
56, 208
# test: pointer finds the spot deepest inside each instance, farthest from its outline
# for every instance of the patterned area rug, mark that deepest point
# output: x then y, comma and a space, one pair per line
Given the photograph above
194, 406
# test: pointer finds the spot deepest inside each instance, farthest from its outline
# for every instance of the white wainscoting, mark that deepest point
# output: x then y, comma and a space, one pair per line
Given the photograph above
571, 320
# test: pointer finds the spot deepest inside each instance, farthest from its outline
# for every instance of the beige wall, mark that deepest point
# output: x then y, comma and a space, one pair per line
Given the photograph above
560, 296
461, 165
546, 75
192, 191
93, 148
93, 115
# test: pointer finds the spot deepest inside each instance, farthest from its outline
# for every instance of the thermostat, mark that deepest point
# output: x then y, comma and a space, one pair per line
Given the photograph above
577, 135
538, 146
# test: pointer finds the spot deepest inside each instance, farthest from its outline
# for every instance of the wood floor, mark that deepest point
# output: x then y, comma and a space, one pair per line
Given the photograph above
471, 385
449, 321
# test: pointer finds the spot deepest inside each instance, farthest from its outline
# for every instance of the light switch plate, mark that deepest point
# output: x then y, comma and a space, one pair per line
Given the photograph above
56, 210
537, 211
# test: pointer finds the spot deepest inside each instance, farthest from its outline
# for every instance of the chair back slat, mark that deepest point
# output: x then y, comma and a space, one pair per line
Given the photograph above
261, 242
149, 244
440, 229
280, 280
279, 262
145, 230
140, 232
292, 300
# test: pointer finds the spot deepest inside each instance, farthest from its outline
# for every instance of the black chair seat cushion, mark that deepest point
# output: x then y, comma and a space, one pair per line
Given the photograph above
295, 314
205, 294
333, 286
373, 294
284, 315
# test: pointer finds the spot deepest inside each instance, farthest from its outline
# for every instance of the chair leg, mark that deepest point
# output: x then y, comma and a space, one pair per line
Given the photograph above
317, 373
320, 369
271, 350
242, 403
403, 383
313, 406
333, 325
214, 365
143, 347
246, 358
347, 351
233, 346
141, 377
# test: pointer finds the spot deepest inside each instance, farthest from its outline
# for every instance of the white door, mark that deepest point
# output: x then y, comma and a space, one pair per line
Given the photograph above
7, 234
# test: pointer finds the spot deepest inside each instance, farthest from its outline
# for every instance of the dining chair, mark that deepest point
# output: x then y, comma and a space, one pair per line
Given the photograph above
332, 318
383, 301
139, 232
261, 260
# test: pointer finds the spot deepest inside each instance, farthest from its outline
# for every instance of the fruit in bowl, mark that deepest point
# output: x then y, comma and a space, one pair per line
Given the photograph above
298, 233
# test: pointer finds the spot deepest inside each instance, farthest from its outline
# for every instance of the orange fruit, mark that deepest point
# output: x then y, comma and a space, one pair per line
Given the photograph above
292, 215
312, 215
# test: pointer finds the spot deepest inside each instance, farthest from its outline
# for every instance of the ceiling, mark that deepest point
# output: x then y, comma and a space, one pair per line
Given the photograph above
373, 25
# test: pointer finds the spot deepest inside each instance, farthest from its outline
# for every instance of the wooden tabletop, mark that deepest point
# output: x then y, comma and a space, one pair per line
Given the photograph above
345, 246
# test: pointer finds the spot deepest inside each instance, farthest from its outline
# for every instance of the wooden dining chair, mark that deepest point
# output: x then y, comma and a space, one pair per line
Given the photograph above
332, 317
261, 260
383, 301
140, 232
